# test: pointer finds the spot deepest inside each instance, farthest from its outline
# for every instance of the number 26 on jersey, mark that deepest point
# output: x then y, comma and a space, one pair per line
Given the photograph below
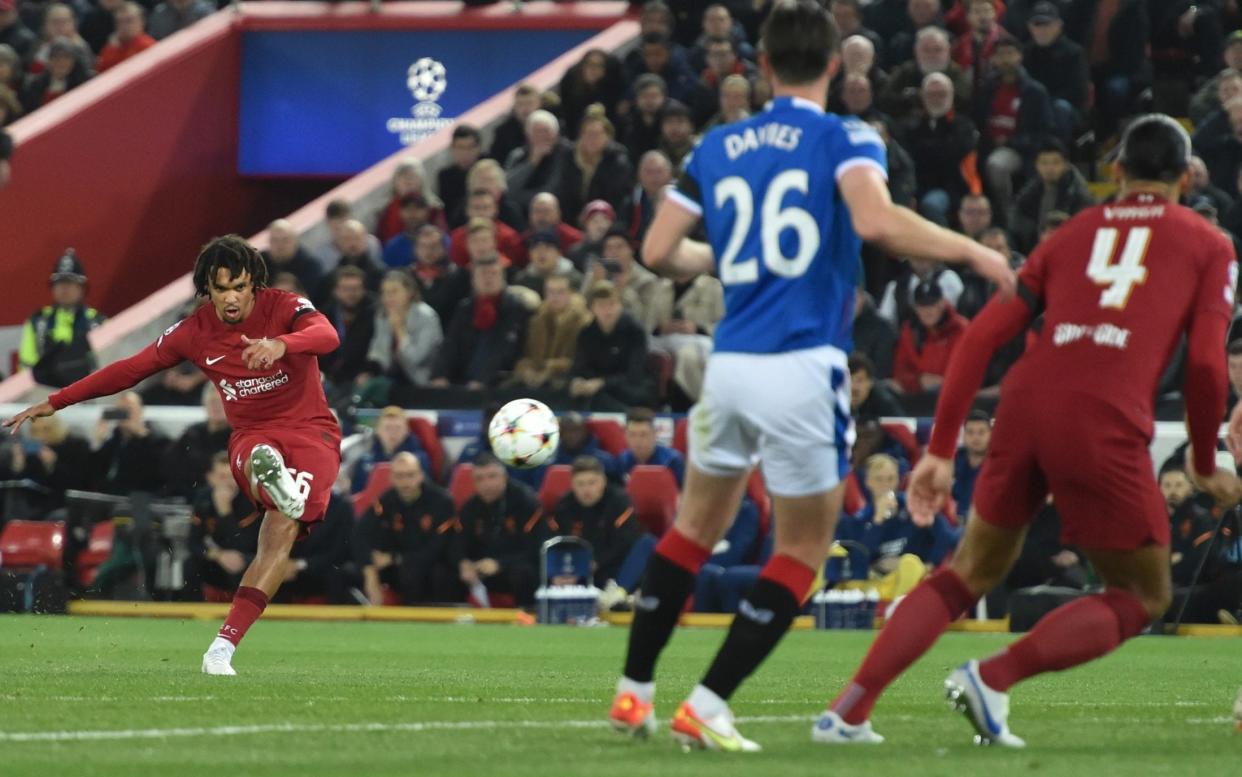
773, 220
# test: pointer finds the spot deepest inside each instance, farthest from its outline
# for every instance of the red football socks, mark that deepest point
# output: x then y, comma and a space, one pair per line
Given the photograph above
248, 605
1070, 635
916, 624
682, 551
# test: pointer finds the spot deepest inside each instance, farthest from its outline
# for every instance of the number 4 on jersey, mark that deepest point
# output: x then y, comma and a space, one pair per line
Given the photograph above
1127, 272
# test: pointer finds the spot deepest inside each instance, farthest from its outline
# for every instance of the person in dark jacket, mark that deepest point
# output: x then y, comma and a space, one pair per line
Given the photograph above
874, 336
510, 135
600, 168
123, 462
222, 541
405, 539
500, 531
352, 312
941, 145
442, 284
51, 457
465, 149
597, 78
1057, 185
610, 365
642, 447
870, 400
54, 342
640, 130
1060, 64
1115, 37
320, 565
66, 70
976, 437
286, 254
1219, 142
538, 165
191, 454
484, 338
601, 514
392, 438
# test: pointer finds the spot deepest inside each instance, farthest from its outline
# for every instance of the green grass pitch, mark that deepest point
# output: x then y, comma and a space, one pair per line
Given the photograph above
125, 697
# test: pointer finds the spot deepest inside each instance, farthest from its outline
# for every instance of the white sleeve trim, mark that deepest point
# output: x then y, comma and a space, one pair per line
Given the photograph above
685, 202
860, 161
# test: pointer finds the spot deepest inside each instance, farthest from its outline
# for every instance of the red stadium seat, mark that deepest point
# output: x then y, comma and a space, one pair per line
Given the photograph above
461, 485
680, 441
555, 484
97, 551
377, 484
28, 544
611, 435
906, 439
653, 490
854, 499
757, 490
427, 435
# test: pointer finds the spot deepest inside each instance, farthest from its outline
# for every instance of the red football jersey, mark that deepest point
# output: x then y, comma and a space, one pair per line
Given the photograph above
288, 395
1120, 284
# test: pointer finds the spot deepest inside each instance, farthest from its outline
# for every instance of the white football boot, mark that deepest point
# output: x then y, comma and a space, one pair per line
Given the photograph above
218, 660
267, 469
831, 729
986, 709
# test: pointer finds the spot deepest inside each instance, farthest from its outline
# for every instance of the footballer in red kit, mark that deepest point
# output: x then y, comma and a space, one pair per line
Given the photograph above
259, 347
1118, 286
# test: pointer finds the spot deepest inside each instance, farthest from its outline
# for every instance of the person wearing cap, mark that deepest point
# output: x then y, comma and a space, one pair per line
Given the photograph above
677, 137
596, 219
545, 215
544, 249
173, 15
1059, 64
54, 344
66, 69
14, 33
1207, 100
484, 338
927, 341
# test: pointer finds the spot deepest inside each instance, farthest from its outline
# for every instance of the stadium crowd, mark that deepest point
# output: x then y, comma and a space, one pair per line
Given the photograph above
516, 271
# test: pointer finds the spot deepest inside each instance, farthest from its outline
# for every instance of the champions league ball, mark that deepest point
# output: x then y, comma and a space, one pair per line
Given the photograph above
524, 433
427, 80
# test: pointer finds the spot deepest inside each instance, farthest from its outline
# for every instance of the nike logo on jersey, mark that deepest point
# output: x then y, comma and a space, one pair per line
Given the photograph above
211, 361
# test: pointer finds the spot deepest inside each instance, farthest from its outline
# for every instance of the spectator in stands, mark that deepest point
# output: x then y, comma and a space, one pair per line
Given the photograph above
222, 542
130, 37
927, 341
642, 447
14, 33
1060, 65
596, 219
409, 177
1052, 220
637, 285
734, 102
919, 15
1057, 185
1221, 88
942, 150
552, 337
539, 165
181, 384
415, 213
52, 457
191, 455
60, 22
487, 174
1221, 147
465, 149
441, 283
354, 246
54, 344
849, 17
510, 135
405, 539
857, 59
481, 207
895, 305
1013, 112
874, 336
655, 172
857, 99
974, 215
640, 131
502, 528
99, 22
870, 399
65, 70
610, 366
578, 440
324, 249
545, 215
484, 338
677, 138
1202, 188
901, 96
407, 338
723, 62
657, 58
126, 448
974, 51
286, 254
545, 262
976, 437
656, 18
597, 78
685, 314
319, 565
601, 514
352, 312
598, 169
11, 70
173, 15
392, 437
1186, 44
977, 290
717, 23
902, 184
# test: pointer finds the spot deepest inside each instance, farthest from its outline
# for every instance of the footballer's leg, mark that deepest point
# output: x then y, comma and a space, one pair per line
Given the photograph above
707, 508
803, 531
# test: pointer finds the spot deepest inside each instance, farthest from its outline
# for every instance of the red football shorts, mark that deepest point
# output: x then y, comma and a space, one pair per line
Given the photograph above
313, 457
1084, 452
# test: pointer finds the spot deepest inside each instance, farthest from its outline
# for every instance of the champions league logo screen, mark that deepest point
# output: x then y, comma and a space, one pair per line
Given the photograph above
427, 80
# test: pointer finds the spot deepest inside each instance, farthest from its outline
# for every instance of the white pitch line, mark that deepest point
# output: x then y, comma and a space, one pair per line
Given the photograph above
315, 728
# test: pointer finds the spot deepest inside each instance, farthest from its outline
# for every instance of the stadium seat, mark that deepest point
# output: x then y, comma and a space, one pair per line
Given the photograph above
377, 484
427, 435
555, 484
660, 367
28, 544
681, 442
757, 490
906, 439
653, 490
611, 435
461, 485
97, 550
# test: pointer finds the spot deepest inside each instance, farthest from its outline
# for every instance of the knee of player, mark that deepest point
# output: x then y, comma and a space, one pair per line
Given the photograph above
1156, 602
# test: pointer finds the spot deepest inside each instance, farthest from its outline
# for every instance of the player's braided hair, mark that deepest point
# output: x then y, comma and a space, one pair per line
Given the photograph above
232, 253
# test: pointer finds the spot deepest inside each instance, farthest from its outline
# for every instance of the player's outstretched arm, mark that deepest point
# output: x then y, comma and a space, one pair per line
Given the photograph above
29, 414
668, 251
113, 378
902, 232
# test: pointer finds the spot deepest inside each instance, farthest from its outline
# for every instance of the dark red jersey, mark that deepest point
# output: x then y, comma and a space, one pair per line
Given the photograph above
288, 395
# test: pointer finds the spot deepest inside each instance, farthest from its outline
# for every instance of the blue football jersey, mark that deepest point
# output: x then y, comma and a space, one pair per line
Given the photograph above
785, 248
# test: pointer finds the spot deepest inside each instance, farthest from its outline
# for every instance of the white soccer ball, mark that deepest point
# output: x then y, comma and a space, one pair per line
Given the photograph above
524, 433
427, 79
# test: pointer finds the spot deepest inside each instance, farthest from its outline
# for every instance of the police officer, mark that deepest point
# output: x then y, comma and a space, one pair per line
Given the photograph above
54, 344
